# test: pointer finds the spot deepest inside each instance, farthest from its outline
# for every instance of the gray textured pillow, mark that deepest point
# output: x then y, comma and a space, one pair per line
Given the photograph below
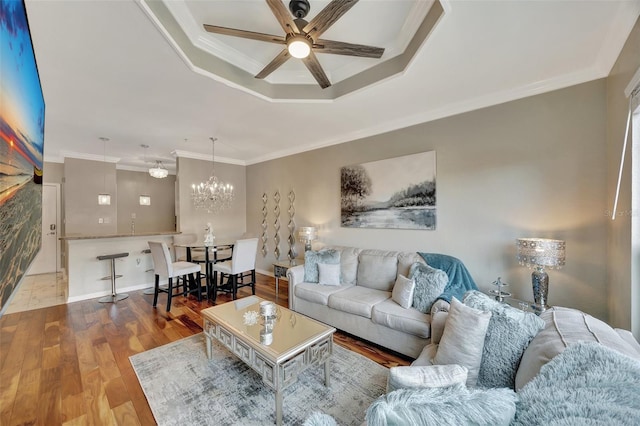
311, 260
454, 405
430, 284
509, 333
402, 292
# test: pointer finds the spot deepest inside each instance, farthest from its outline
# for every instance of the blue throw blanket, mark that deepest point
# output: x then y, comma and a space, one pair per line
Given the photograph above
460, 280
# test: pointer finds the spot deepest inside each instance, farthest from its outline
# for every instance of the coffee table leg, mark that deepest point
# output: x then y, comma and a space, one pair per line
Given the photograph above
278, 407
327, 373
208, 346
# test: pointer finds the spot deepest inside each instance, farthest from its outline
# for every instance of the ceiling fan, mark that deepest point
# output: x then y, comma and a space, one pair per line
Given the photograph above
302, 37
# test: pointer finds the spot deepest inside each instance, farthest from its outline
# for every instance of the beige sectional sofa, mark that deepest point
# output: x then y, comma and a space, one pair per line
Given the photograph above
362, 305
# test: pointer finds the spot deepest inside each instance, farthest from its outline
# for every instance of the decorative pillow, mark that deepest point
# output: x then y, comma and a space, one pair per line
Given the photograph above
311, 260
509, 333
430, 284
463, 339
587, 384
402, 292
329, 274
319, 419
454, 405
432, 376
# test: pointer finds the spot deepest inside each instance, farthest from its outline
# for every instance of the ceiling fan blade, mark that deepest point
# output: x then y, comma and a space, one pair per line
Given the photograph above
313, 65
274, 64
349, 49
283, 16
244, 34
327, 17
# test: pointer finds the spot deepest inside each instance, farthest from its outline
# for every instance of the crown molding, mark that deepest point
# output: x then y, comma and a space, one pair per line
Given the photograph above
480, 102
197, 156
53, 159
92, 157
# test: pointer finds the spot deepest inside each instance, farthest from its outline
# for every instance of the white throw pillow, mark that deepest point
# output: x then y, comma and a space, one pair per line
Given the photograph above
432, 376
402, 292
463, 339
328, 274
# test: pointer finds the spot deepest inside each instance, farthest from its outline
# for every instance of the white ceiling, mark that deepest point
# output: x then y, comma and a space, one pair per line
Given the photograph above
108, 70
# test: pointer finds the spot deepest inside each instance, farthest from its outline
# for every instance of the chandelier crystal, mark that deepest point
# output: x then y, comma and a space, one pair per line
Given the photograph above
213, 195
158, 171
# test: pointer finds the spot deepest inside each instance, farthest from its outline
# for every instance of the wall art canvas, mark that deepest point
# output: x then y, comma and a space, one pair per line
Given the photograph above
21, 148
396, 193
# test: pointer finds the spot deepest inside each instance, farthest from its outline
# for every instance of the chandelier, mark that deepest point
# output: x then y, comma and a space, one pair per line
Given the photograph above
212, 195
158, 171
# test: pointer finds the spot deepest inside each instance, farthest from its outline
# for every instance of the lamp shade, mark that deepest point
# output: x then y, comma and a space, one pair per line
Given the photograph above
307, 234
540, 252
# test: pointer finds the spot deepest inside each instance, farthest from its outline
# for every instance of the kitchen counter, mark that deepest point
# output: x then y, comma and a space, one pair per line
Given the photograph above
88, 276
137, 234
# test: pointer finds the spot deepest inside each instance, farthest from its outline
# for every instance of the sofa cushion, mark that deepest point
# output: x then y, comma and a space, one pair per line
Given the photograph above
463, 339
358, 300
377, 269
316, 293
509, 333
394, 316
311, 260
430, 283
402, 292
348, 263
564, 327
406, 259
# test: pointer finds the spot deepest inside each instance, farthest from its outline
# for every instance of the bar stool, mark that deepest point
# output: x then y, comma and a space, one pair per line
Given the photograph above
114, 297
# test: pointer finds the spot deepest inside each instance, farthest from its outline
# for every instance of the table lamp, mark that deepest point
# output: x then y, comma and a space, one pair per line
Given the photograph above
540, 253
306, 234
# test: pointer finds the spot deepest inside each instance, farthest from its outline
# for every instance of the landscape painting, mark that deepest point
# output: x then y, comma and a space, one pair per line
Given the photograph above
21, 149
396, 193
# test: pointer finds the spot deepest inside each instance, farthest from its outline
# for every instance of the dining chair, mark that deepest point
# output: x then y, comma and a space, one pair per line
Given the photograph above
163, 266
181, 252
242, 265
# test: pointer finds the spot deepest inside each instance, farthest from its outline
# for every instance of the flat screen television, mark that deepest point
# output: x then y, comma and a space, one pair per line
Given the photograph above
21, 148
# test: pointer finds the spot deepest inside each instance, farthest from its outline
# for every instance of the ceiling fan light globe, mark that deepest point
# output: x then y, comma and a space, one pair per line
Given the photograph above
299, 48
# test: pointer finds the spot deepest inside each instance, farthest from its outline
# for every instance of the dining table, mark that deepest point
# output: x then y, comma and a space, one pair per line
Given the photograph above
211, 252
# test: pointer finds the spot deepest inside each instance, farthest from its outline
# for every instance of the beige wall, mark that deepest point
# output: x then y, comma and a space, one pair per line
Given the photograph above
227, 225
623, 274
528, 168
84, 180
159, 216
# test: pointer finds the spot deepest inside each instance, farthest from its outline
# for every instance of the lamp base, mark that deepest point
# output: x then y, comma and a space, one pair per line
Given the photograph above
540, 283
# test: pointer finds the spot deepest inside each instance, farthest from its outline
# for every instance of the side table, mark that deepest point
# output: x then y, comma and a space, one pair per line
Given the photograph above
280, 269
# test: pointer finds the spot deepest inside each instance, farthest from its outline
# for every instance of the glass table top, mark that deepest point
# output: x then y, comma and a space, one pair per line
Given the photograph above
277, 335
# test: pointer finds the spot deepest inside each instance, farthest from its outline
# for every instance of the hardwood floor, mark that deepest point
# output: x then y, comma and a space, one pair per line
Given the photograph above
69, 364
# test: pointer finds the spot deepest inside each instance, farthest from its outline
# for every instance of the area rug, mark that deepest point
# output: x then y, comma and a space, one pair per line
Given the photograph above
183, 387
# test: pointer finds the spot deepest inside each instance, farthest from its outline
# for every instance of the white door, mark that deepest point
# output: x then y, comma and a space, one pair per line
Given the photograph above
47, 259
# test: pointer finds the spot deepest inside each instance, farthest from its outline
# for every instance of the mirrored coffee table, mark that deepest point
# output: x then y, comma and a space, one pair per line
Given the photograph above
278, 348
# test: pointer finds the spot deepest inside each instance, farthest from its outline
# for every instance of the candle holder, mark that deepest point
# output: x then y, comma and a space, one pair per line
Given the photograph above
498, 293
